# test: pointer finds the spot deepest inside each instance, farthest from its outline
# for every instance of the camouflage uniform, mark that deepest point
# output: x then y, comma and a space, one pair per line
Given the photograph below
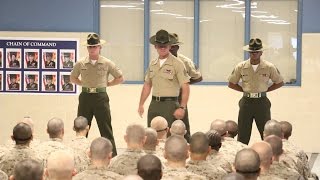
3, 175
34, 143
126, 163
17, 154
156, 153
97, 173
219, 160
299, 156
80, 145
280, 170
180, 174
160, 146
55, 144
204, 168
230, 147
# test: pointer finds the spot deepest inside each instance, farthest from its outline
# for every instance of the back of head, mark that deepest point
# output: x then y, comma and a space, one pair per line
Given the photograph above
247, 163
159, 123
55, 127
214, 139
275, 143
178, 128
286, 128
199, 143
149, 167
152, 139
28, 121
232, 128
80, 124
60, 165
220, 126
28, 169
272, 127
135, 134
176, 149
265, 153
22, 133
100, 149
233, 176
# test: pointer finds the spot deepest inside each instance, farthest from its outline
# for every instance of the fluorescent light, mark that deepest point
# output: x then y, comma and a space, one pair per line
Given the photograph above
281, 23
170, 14
159, 2
136, 8
205, 20
156, 10
117, 6
272, 20
184, 17
262, 12
265, 16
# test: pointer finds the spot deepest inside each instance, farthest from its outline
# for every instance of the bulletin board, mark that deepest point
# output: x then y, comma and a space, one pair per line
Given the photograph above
37, 65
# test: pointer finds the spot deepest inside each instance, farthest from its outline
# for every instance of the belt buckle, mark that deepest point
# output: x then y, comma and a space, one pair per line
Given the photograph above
255, 95
158, 98
92, 90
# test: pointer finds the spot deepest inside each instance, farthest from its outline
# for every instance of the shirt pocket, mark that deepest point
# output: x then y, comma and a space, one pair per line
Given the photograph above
245, 77
264, 77
102, 71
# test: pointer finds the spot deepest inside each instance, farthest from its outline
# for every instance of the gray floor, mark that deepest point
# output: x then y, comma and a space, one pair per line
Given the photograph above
314, 162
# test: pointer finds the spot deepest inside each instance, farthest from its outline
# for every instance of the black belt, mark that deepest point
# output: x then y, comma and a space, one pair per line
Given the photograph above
254, 95
94, 90
158, 98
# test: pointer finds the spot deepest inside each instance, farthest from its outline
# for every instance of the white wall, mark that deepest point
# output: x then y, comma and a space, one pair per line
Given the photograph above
299, 105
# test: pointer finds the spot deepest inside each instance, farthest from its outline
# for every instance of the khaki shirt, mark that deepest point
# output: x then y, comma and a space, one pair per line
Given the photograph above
204, 168
167, 79
255, 81
190, 67
97, 173
95, 75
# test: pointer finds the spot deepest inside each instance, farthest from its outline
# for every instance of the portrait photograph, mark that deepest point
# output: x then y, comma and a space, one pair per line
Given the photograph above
49, 59
65, 83
49, 81
1, 80
13, 79
31, 58
67, 59
13, 58
31, 81
1, 58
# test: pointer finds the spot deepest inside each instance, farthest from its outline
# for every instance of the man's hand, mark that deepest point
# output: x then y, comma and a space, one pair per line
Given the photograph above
141, 111
179, 113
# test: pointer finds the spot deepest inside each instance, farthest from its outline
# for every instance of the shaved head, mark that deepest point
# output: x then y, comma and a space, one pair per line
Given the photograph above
55, 127
220, 126
28, 169
286, 128
60, 165
214, 139
135, 134
265, 153
80, 124
232, 128
100, 148
247, 162
152, 139
159, 123
22, 133
199, 143
176, 149
178, 128
275, 143
28, 121
272, 127
149, 167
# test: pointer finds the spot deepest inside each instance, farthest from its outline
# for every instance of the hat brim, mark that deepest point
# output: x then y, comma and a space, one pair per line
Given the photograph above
85, 43
246, 48
177, 43
171, 42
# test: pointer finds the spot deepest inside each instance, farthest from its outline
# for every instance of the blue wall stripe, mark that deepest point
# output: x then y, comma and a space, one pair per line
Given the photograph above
196, 27
146, 34
299, 42
247, 26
